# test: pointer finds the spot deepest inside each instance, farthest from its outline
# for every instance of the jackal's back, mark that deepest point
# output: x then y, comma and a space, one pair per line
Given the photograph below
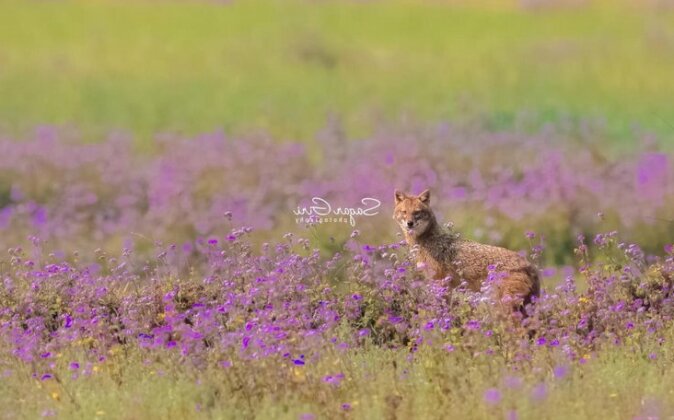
473, 261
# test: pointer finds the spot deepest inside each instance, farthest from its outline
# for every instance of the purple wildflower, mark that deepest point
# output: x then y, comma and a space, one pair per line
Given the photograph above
539, 392
492, 396
560, 371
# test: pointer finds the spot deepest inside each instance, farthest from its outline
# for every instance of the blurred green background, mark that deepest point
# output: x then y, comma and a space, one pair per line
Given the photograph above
284, 66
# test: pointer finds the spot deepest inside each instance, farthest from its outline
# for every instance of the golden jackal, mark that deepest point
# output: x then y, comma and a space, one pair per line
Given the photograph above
443, 254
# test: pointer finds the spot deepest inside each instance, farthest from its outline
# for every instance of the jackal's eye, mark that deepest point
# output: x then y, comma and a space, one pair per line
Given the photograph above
416, 214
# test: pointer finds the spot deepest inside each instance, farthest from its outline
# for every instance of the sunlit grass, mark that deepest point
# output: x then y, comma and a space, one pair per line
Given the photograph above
377, 383
285, 66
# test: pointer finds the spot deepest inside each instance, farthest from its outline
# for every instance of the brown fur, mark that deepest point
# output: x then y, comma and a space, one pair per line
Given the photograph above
442, 254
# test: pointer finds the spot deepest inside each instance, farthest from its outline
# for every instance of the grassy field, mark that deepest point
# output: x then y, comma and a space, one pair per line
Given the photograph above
283, 67
377, 384
167, 271
288, 335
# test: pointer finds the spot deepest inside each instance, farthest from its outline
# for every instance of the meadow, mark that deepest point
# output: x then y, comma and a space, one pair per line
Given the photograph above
283, 67
179, 284
154, 157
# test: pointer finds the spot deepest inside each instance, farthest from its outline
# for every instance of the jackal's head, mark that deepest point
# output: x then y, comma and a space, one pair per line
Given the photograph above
413, 212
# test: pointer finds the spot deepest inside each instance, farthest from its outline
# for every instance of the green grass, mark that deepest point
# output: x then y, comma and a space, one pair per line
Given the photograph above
284, 66
378, 384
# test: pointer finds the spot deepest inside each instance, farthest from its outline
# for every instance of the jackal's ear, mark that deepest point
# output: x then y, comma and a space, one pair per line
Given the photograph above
425, 197
399, 196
